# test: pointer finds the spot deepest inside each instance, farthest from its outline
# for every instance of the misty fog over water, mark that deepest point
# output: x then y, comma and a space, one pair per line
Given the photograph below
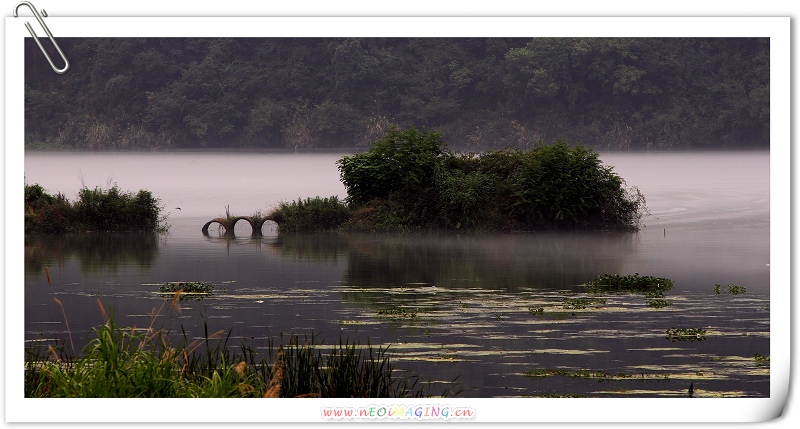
709, 224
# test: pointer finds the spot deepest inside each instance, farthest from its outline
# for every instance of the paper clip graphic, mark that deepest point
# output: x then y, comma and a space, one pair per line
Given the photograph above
49, 34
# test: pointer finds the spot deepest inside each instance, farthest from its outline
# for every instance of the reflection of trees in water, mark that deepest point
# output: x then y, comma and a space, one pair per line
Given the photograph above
94, 252
505, 262
552, 261
323, 247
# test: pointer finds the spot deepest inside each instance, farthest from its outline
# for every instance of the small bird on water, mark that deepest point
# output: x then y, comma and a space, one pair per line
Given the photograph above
691, 390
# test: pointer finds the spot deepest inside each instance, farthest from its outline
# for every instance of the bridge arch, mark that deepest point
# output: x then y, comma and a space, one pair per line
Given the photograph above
230, 222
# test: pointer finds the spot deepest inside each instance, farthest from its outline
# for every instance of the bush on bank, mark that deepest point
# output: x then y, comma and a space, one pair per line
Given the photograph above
311, 214
95, 210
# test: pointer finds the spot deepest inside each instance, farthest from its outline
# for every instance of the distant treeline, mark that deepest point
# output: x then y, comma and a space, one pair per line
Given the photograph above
481, 93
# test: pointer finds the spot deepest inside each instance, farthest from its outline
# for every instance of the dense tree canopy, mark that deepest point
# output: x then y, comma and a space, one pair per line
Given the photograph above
482, 93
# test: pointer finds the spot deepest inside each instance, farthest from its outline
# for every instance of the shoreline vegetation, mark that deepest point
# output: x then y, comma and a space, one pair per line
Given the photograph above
95, 210
409, 181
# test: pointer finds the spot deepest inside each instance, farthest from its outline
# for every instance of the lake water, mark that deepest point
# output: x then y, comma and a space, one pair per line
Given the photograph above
447, 305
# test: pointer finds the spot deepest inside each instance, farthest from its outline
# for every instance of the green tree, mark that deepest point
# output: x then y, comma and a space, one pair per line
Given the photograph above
400, 164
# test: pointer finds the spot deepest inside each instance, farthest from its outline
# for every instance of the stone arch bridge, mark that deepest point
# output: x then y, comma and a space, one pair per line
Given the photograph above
256, 222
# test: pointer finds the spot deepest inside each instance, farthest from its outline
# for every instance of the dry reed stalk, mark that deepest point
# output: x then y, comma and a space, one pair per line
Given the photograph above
170, 355
196, 343
246, 389
53, 352
240, 369
274, 390
69, 332
102, 310
174, 303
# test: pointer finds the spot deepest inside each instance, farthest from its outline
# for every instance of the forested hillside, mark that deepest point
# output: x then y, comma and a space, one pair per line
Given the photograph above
480, 93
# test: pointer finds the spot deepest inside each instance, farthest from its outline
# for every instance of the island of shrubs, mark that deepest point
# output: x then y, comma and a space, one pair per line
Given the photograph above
95, 210
409, 180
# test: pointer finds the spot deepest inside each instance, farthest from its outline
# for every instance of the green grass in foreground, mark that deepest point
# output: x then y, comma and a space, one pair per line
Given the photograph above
128, 363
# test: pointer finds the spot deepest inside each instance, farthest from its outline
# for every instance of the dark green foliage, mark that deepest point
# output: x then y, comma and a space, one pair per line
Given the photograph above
613, 283
381, 215
563, 186
408, 180
114, 210
482, 93
401, 163
311, 214
95, 210
468, 201
45, 213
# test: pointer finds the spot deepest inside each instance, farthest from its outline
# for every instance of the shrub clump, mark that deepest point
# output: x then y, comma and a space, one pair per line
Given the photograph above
311, 214
45, 213
409, 180
95, 210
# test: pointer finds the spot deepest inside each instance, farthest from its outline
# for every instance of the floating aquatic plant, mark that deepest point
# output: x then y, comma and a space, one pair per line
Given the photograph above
686, 334
447, 357
557, 395
593, 375
761, 359
536, 311
655, 294
732, 289
576, 373
582, 303
397, 312
189, 290
658, 303
629, 284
